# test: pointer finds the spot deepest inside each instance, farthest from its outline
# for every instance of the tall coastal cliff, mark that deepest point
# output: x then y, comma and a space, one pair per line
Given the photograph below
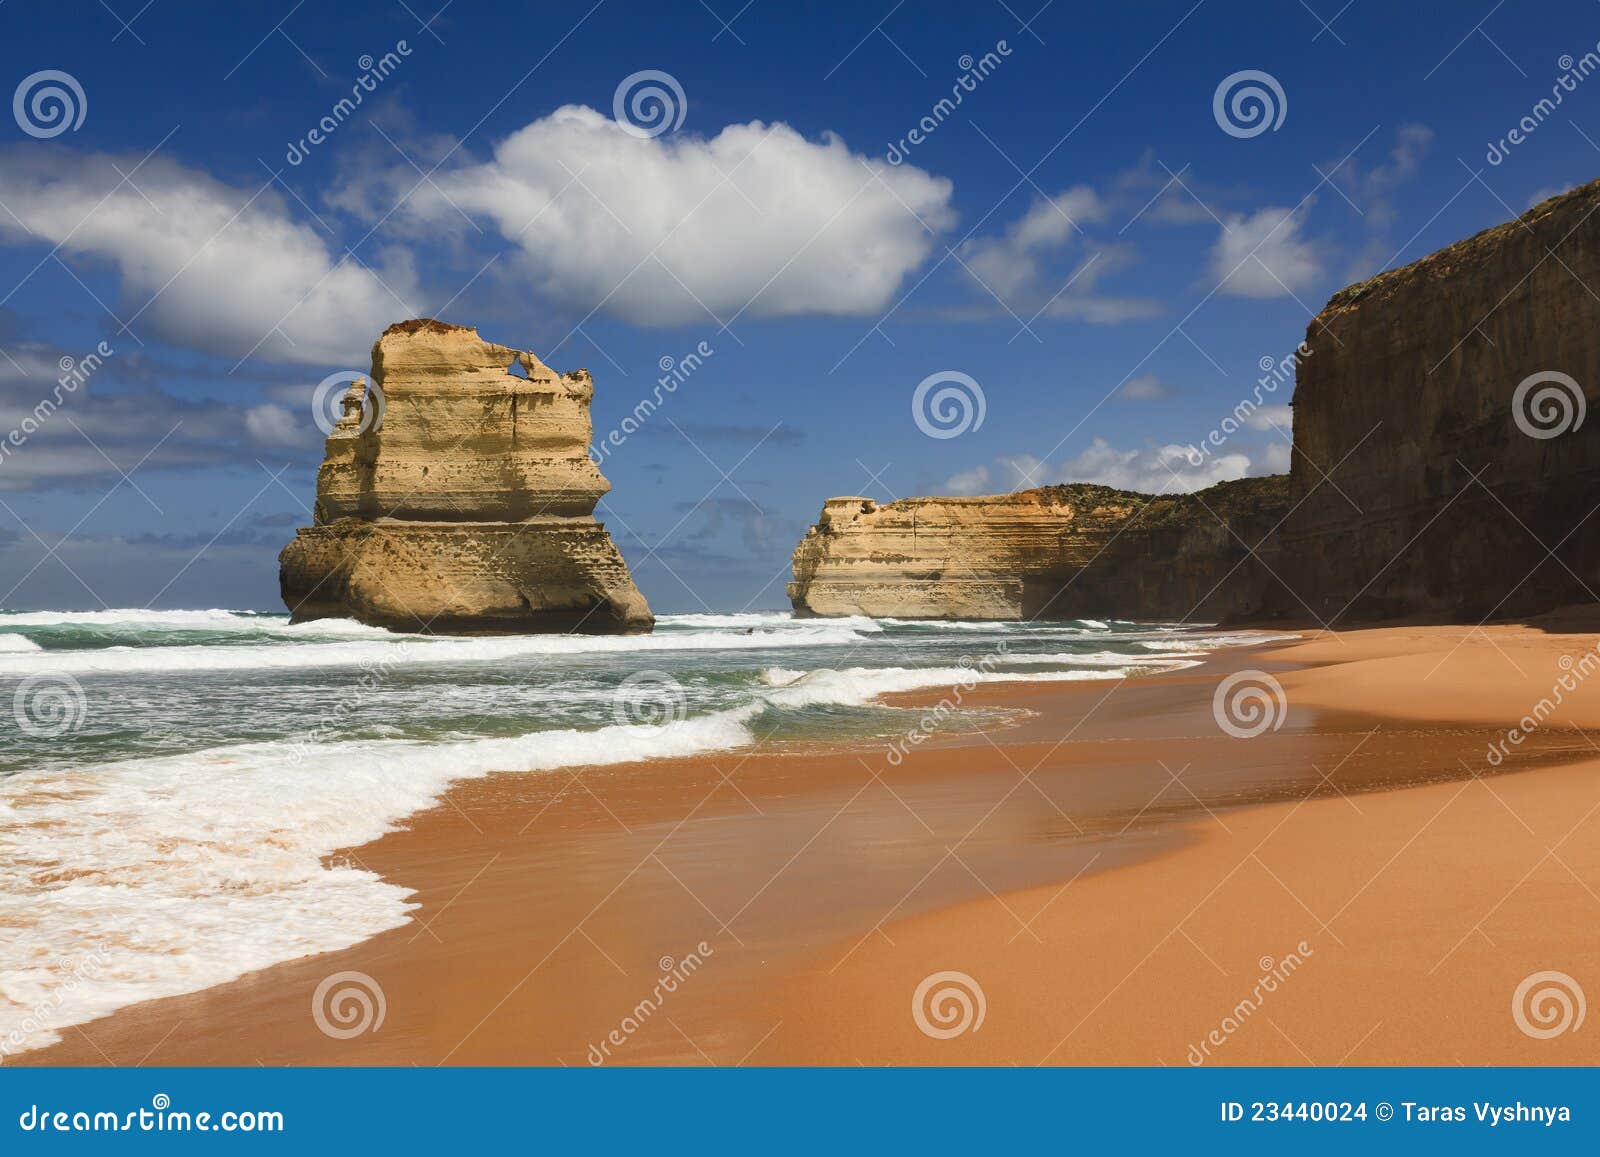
1441, 466
1058, 552
458, 496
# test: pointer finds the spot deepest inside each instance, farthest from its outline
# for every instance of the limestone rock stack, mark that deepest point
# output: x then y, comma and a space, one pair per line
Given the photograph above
1058, 552
457, 495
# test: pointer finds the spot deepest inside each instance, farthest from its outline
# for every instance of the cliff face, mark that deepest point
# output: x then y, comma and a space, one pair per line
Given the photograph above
1416, 489
468, 506
1058, 552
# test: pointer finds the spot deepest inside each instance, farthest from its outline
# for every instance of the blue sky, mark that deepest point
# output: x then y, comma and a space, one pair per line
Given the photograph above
1080, 237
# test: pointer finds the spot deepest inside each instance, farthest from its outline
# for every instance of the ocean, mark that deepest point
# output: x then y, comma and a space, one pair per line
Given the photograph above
174, 785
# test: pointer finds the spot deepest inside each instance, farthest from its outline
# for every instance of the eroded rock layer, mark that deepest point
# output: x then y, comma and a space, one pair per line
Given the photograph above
458, 496
1058, 552
1416, 490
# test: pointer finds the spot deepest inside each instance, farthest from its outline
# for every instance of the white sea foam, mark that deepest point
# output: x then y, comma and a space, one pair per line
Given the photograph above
857, 685
180, 873
766, 620
185, 871
404, 650
1162, 659
212, 620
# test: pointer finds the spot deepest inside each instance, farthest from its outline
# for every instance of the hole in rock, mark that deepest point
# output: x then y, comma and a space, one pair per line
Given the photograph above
516, 369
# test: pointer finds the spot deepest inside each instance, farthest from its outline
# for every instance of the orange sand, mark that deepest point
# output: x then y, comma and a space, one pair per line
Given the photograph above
1111, 870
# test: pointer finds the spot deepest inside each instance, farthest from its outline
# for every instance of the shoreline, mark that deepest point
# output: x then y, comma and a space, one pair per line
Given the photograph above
551, 903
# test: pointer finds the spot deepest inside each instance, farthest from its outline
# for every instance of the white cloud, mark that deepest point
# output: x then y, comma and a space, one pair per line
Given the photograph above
755, 219
1159, 470
1144, 388
1263, 254
1371, 191
202, 264
1370, 188
1270, 417
1152, 470
1275, 459
974, 481
1010, 265
272, 425
1026, 265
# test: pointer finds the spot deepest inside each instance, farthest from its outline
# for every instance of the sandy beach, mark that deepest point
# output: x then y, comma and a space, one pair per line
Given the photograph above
1104, 864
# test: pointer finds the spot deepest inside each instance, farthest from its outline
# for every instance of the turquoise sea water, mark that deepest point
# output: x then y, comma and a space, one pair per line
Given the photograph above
172, 782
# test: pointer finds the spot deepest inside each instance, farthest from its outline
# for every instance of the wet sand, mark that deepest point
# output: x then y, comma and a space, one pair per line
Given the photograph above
1108, 866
